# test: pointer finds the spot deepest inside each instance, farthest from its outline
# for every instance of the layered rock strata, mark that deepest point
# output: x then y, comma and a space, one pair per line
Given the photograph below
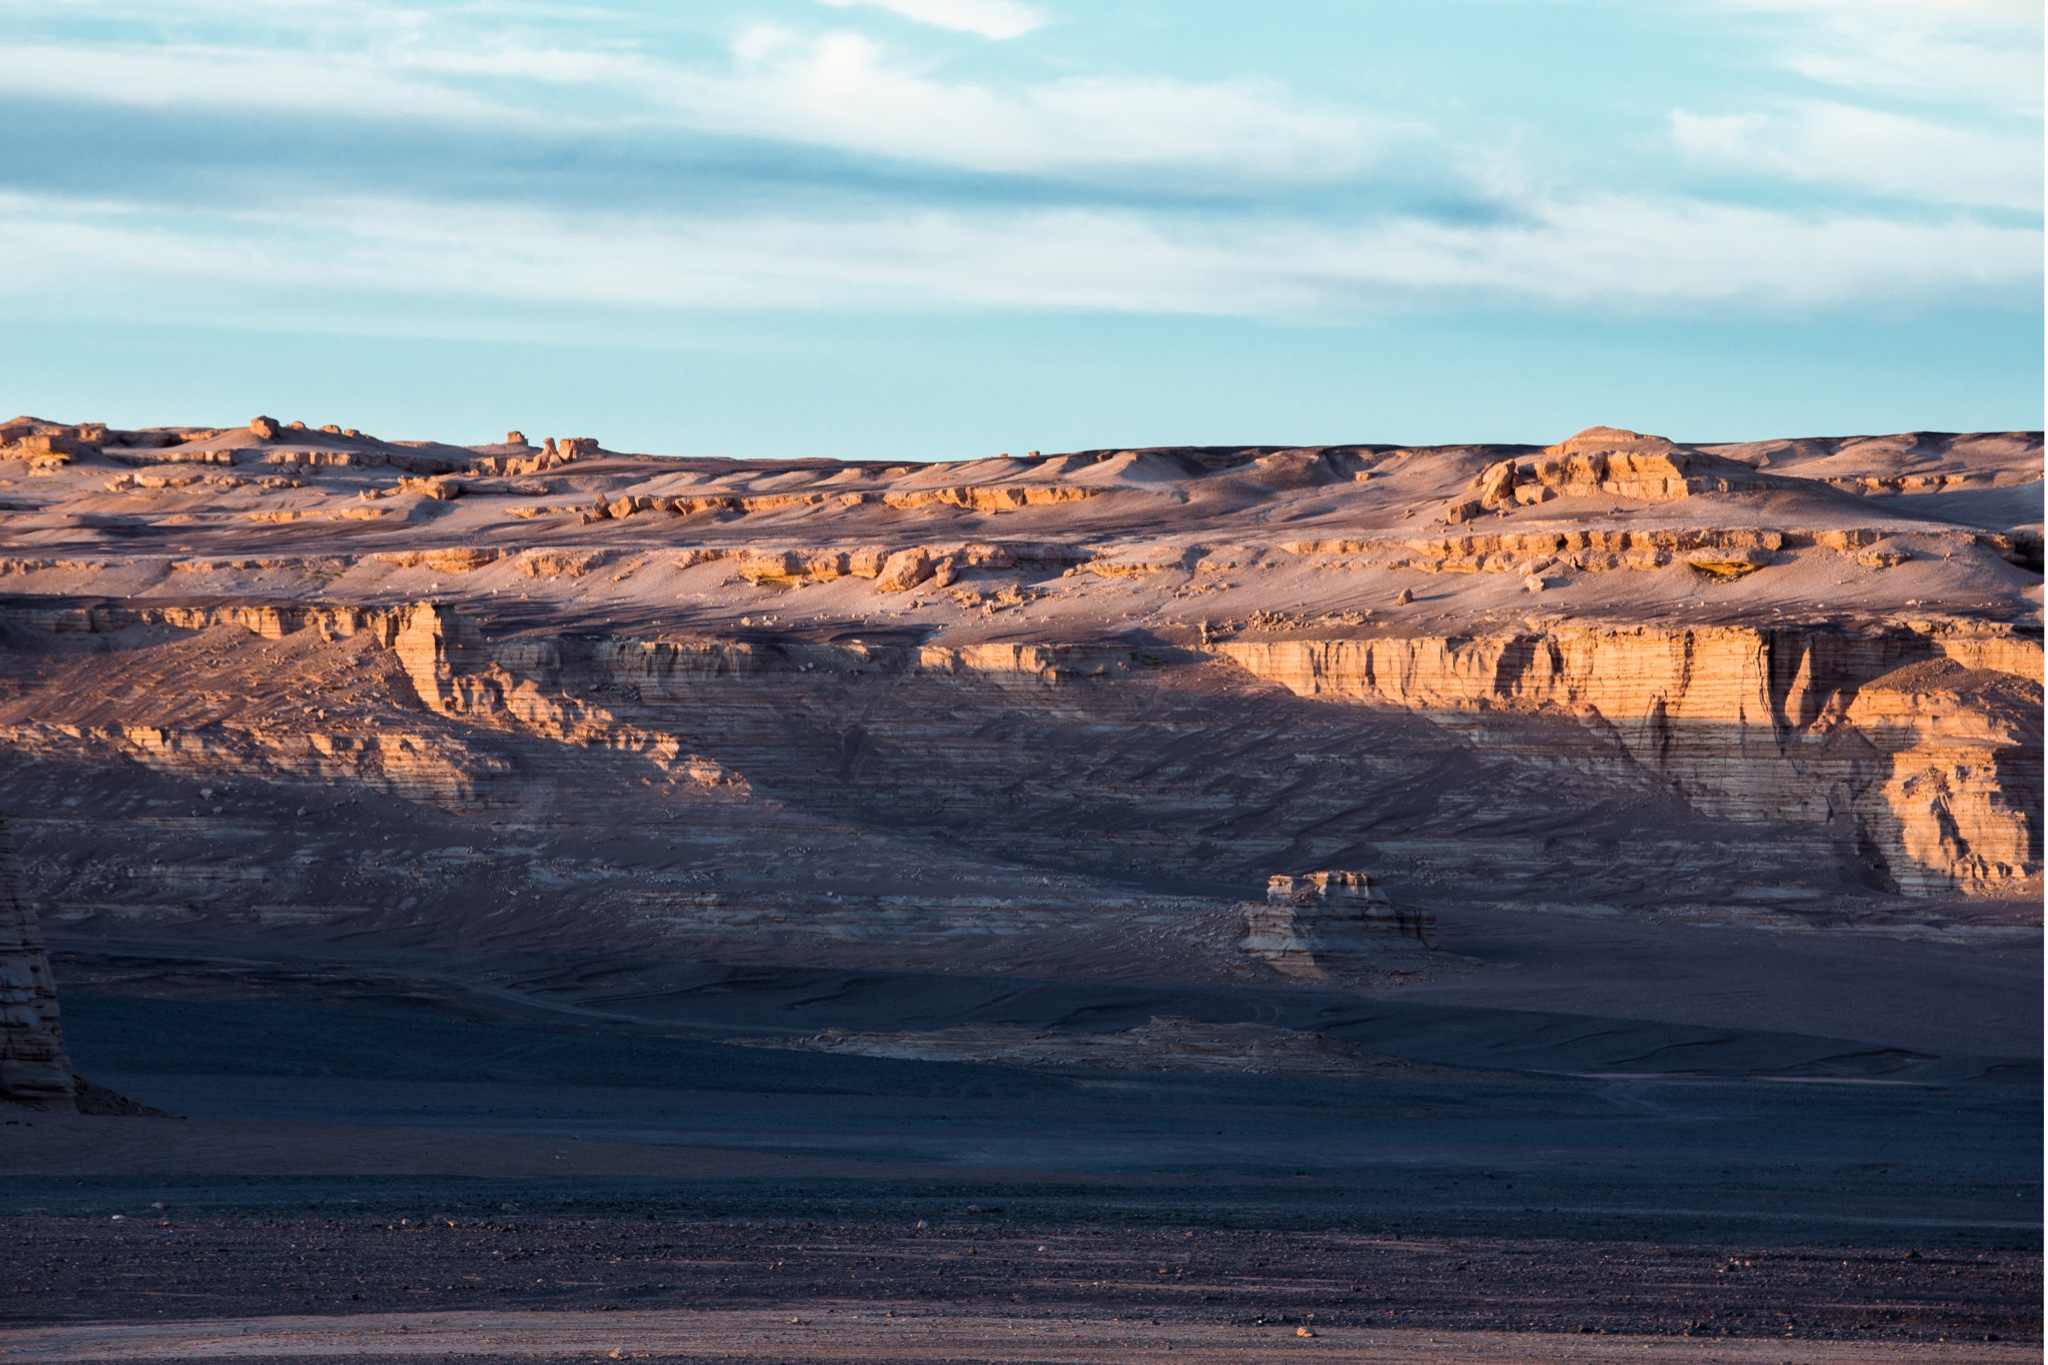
1931, 758
491, 692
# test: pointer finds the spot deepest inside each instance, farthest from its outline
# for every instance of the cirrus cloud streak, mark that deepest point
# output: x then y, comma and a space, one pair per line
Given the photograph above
837, 90
1611, 253
997, 19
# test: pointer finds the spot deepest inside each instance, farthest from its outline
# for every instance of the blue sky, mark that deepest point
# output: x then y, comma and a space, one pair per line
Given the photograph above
944, 228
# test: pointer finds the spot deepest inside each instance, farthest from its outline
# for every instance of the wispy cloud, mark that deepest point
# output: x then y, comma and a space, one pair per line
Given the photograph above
838, 90
1614, 253
1974, 52
235, 79
989, 18
1871, 150
1905, 196
841, 90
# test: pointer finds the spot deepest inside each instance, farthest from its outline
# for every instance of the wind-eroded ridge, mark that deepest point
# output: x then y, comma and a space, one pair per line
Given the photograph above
933, 713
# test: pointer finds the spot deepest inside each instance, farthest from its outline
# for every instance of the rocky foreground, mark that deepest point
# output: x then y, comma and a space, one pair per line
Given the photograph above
1049, 1283
1062, 715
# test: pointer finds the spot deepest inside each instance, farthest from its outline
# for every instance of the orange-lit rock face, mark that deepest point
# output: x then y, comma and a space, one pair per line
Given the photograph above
1753, 725
869, 708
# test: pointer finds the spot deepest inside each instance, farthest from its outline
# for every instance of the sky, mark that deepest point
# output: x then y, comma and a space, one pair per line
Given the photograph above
940, 229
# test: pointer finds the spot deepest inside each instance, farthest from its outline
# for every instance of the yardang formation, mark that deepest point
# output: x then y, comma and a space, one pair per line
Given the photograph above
1064, 713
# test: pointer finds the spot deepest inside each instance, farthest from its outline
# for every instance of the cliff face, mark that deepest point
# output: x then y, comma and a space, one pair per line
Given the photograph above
1887, 743
1930, 766
33, 1066
1933, 764
1020, 708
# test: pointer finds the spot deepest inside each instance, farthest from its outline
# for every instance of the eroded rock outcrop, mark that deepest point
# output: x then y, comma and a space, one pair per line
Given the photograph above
1312, 923
1606, 462
454, 673
33, 1066
1961, 778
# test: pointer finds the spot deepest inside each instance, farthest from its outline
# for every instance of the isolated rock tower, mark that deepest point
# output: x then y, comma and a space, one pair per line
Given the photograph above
33, 1066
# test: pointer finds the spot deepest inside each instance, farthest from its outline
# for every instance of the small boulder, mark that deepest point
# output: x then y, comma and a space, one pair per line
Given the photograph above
785, 566
265, 427
904, 570
1727, 565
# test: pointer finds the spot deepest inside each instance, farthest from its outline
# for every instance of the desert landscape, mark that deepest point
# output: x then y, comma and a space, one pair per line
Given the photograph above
1575, 900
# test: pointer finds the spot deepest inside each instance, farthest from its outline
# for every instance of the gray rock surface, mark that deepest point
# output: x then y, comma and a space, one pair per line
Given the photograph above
33, 1066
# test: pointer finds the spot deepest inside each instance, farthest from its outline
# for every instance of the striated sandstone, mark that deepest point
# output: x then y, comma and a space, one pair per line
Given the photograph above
463, 559
33, 1066
1085, 703
453, 673
1744, 724
439, 769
